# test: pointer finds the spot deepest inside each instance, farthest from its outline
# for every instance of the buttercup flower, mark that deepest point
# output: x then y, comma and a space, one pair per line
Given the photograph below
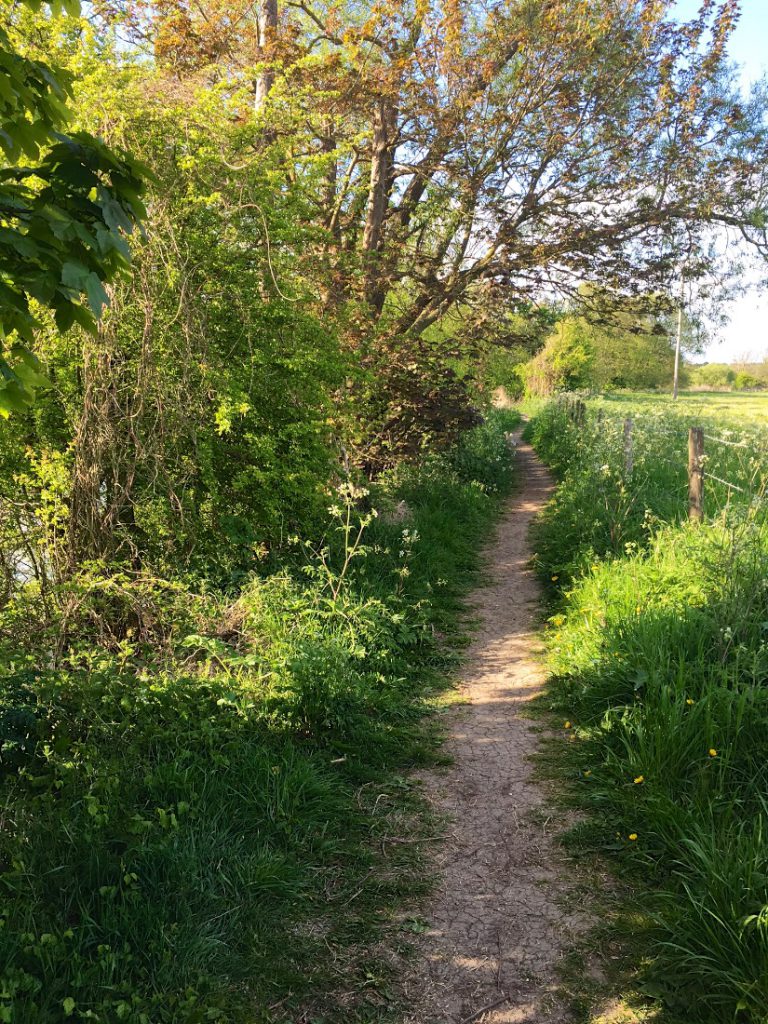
639, 780
712, 752
633, 836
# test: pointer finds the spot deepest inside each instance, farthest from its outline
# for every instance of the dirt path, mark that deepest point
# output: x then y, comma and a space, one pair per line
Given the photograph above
498, 925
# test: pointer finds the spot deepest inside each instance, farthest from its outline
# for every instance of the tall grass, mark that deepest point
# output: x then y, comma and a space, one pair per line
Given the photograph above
204, 798
659, 655
603, 510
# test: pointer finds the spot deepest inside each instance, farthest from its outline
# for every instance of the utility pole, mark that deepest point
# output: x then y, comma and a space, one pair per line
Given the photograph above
679, 337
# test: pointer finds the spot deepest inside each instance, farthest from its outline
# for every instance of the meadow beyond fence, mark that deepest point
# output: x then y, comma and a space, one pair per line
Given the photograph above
733, 461
658, 654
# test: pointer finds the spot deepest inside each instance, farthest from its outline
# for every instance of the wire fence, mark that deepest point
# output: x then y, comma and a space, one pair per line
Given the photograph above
683, 466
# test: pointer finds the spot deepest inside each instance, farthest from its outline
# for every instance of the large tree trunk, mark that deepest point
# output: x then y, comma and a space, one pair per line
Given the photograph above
267, 30
333, 286
380, 187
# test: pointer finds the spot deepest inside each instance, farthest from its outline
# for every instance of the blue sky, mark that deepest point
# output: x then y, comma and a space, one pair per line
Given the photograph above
747, 331
750, 40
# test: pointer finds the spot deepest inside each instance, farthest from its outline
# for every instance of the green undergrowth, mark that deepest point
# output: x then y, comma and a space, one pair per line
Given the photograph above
207, 814
658, 649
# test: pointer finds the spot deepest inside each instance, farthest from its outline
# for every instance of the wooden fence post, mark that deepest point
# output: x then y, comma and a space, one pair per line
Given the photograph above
696, 473
629, 447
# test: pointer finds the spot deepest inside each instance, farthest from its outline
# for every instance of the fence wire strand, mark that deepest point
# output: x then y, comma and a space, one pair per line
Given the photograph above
731, 444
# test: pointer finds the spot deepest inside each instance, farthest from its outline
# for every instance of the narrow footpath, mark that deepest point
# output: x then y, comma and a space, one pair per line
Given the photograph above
499, 920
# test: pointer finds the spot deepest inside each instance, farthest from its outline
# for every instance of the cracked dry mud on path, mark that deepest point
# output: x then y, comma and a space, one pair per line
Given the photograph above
497, 921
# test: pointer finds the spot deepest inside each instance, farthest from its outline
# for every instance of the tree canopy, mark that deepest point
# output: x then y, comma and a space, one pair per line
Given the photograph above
354, 204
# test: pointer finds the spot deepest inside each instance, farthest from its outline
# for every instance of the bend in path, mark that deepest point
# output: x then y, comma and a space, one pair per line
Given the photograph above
497, 923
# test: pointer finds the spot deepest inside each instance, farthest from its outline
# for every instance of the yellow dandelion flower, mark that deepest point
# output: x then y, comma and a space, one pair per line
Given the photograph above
712, 752
690, 701
640, 779
566, 725
633, 836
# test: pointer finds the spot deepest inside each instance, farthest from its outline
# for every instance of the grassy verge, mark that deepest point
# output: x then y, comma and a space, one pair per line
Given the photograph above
204, 799
659, 654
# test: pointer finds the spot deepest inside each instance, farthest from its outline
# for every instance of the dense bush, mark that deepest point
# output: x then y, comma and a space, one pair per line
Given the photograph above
608, 342
713, 375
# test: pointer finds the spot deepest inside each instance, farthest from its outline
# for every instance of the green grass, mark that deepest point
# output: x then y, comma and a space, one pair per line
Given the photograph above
203, 798
730, 407
658, 647
604, 510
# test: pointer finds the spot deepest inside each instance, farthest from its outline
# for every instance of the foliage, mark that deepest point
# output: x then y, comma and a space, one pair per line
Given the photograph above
198, 428
503, 369
202, 794
64, 213
564, 364
746, 381
416, 398
657, 650
606, 341
442, 177
713, 375
741, 377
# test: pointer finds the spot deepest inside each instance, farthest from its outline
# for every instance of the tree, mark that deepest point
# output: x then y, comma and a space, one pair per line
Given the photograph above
455, 149
713, 375
64, 212
521, 140
607, 341
565, 363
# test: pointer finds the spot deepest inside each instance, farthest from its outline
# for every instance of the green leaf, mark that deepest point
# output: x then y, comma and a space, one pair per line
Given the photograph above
64, 316
13, 398
76, 173
97, 296
84, 318
75, 276
30, 377
23, 245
